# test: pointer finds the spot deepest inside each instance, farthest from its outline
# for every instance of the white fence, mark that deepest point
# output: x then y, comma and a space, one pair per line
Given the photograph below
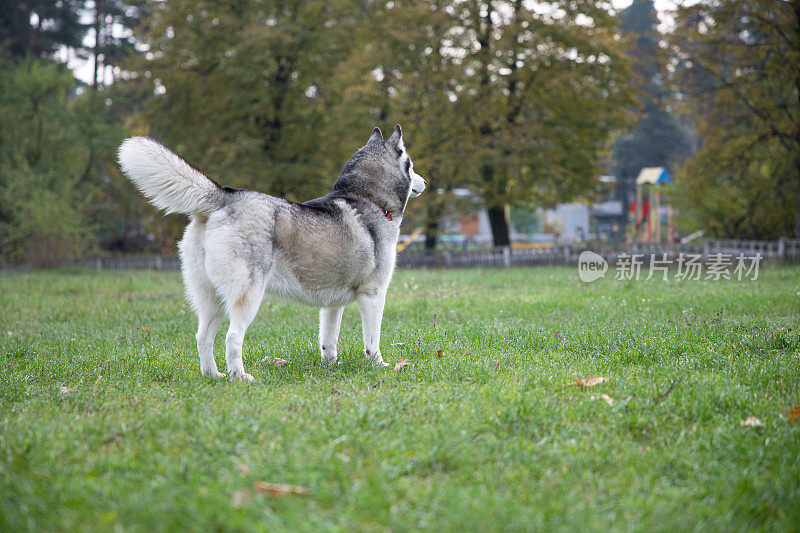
784, 249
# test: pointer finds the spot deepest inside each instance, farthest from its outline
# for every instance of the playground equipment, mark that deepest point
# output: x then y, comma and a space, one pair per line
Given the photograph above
647, 217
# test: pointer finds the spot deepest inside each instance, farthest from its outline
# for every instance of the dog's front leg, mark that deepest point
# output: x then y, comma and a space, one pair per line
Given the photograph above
330, 319
371, 308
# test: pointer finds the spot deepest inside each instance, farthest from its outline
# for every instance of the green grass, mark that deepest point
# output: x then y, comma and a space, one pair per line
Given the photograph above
491, 435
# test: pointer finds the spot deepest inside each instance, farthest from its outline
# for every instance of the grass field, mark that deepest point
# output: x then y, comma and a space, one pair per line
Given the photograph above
107, 423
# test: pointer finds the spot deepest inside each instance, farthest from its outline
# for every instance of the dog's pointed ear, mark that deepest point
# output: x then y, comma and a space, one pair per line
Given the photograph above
396, 139
376, 136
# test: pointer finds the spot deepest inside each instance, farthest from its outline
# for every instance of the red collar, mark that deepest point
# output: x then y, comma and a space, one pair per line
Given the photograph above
387, 214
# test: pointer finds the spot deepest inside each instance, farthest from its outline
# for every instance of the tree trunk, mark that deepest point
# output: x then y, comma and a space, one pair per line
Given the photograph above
797, 198
430, 237
499, 223
98, 13
433, 218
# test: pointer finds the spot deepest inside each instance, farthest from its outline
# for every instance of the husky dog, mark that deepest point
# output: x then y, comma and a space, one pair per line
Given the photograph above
242, 245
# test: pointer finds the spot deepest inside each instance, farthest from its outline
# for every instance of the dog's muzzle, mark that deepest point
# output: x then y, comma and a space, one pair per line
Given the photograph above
417, 185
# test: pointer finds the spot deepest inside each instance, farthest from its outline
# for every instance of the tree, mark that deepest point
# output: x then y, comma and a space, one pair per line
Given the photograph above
41, 163
541, 88
37, 28
738, 67
656, 139
112, 24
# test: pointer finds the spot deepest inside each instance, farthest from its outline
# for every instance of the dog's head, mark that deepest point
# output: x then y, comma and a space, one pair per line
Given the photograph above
383, 172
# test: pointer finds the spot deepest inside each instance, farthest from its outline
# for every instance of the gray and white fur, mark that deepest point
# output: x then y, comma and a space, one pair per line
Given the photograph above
242, 246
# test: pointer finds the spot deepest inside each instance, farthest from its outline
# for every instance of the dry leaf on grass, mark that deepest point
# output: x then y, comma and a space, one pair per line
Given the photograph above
794, 414
279, 489
590, 381
147, 329
752, 421
64, 390
400, 364
605, 397
400, 345
280, 362
439, 353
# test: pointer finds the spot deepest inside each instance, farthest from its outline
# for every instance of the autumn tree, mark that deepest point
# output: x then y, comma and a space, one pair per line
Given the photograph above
541, 86
738, 65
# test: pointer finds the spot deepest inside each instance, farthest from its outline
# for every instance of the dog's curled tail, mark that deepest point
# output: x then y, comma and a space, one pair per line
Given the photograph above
169, 182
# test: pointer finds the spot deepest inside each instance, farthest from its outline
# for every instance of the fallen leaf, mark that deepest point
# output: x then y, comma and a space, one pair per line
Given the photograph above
605, 397
98, 379
280, 362
279, 489
64, 390
439, 353
752, 421
241, 498
730, 356
400, 345
794, 414
147, 329
400, 364
590, 381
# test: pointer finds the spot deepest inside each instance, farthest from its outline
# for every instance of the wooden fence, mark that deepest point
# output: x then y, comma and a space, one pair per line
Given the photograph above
784, 249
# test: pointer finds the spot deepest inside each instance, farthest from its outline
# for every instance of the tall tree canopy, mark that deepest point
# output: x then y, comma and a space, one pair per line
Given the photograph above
656, 140
510, 99
541, 87
739, 66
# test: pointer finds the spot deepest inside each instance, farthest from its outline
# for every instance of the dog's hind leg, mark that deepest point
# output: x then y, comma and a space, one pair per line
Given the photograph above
210, 317
242, 312
330, 320
201, 293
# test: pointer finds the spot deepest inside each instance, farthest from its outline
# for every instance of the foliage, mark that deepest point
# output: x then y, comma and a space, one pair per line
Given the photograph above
494, 434
38, 28
41, 164
53, 150
542, 87
735, 189
739, 67
656, 140
507, 100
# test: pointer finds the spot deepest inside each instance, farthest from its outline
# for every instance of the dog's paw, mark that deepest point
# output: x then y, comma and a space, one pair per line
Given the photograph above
213, 372
375, 358
240, 375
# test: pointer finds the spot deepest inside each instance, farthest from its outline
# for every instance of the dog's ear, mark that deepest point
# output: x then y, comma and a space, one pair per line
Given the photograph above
376, 136
396, 140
